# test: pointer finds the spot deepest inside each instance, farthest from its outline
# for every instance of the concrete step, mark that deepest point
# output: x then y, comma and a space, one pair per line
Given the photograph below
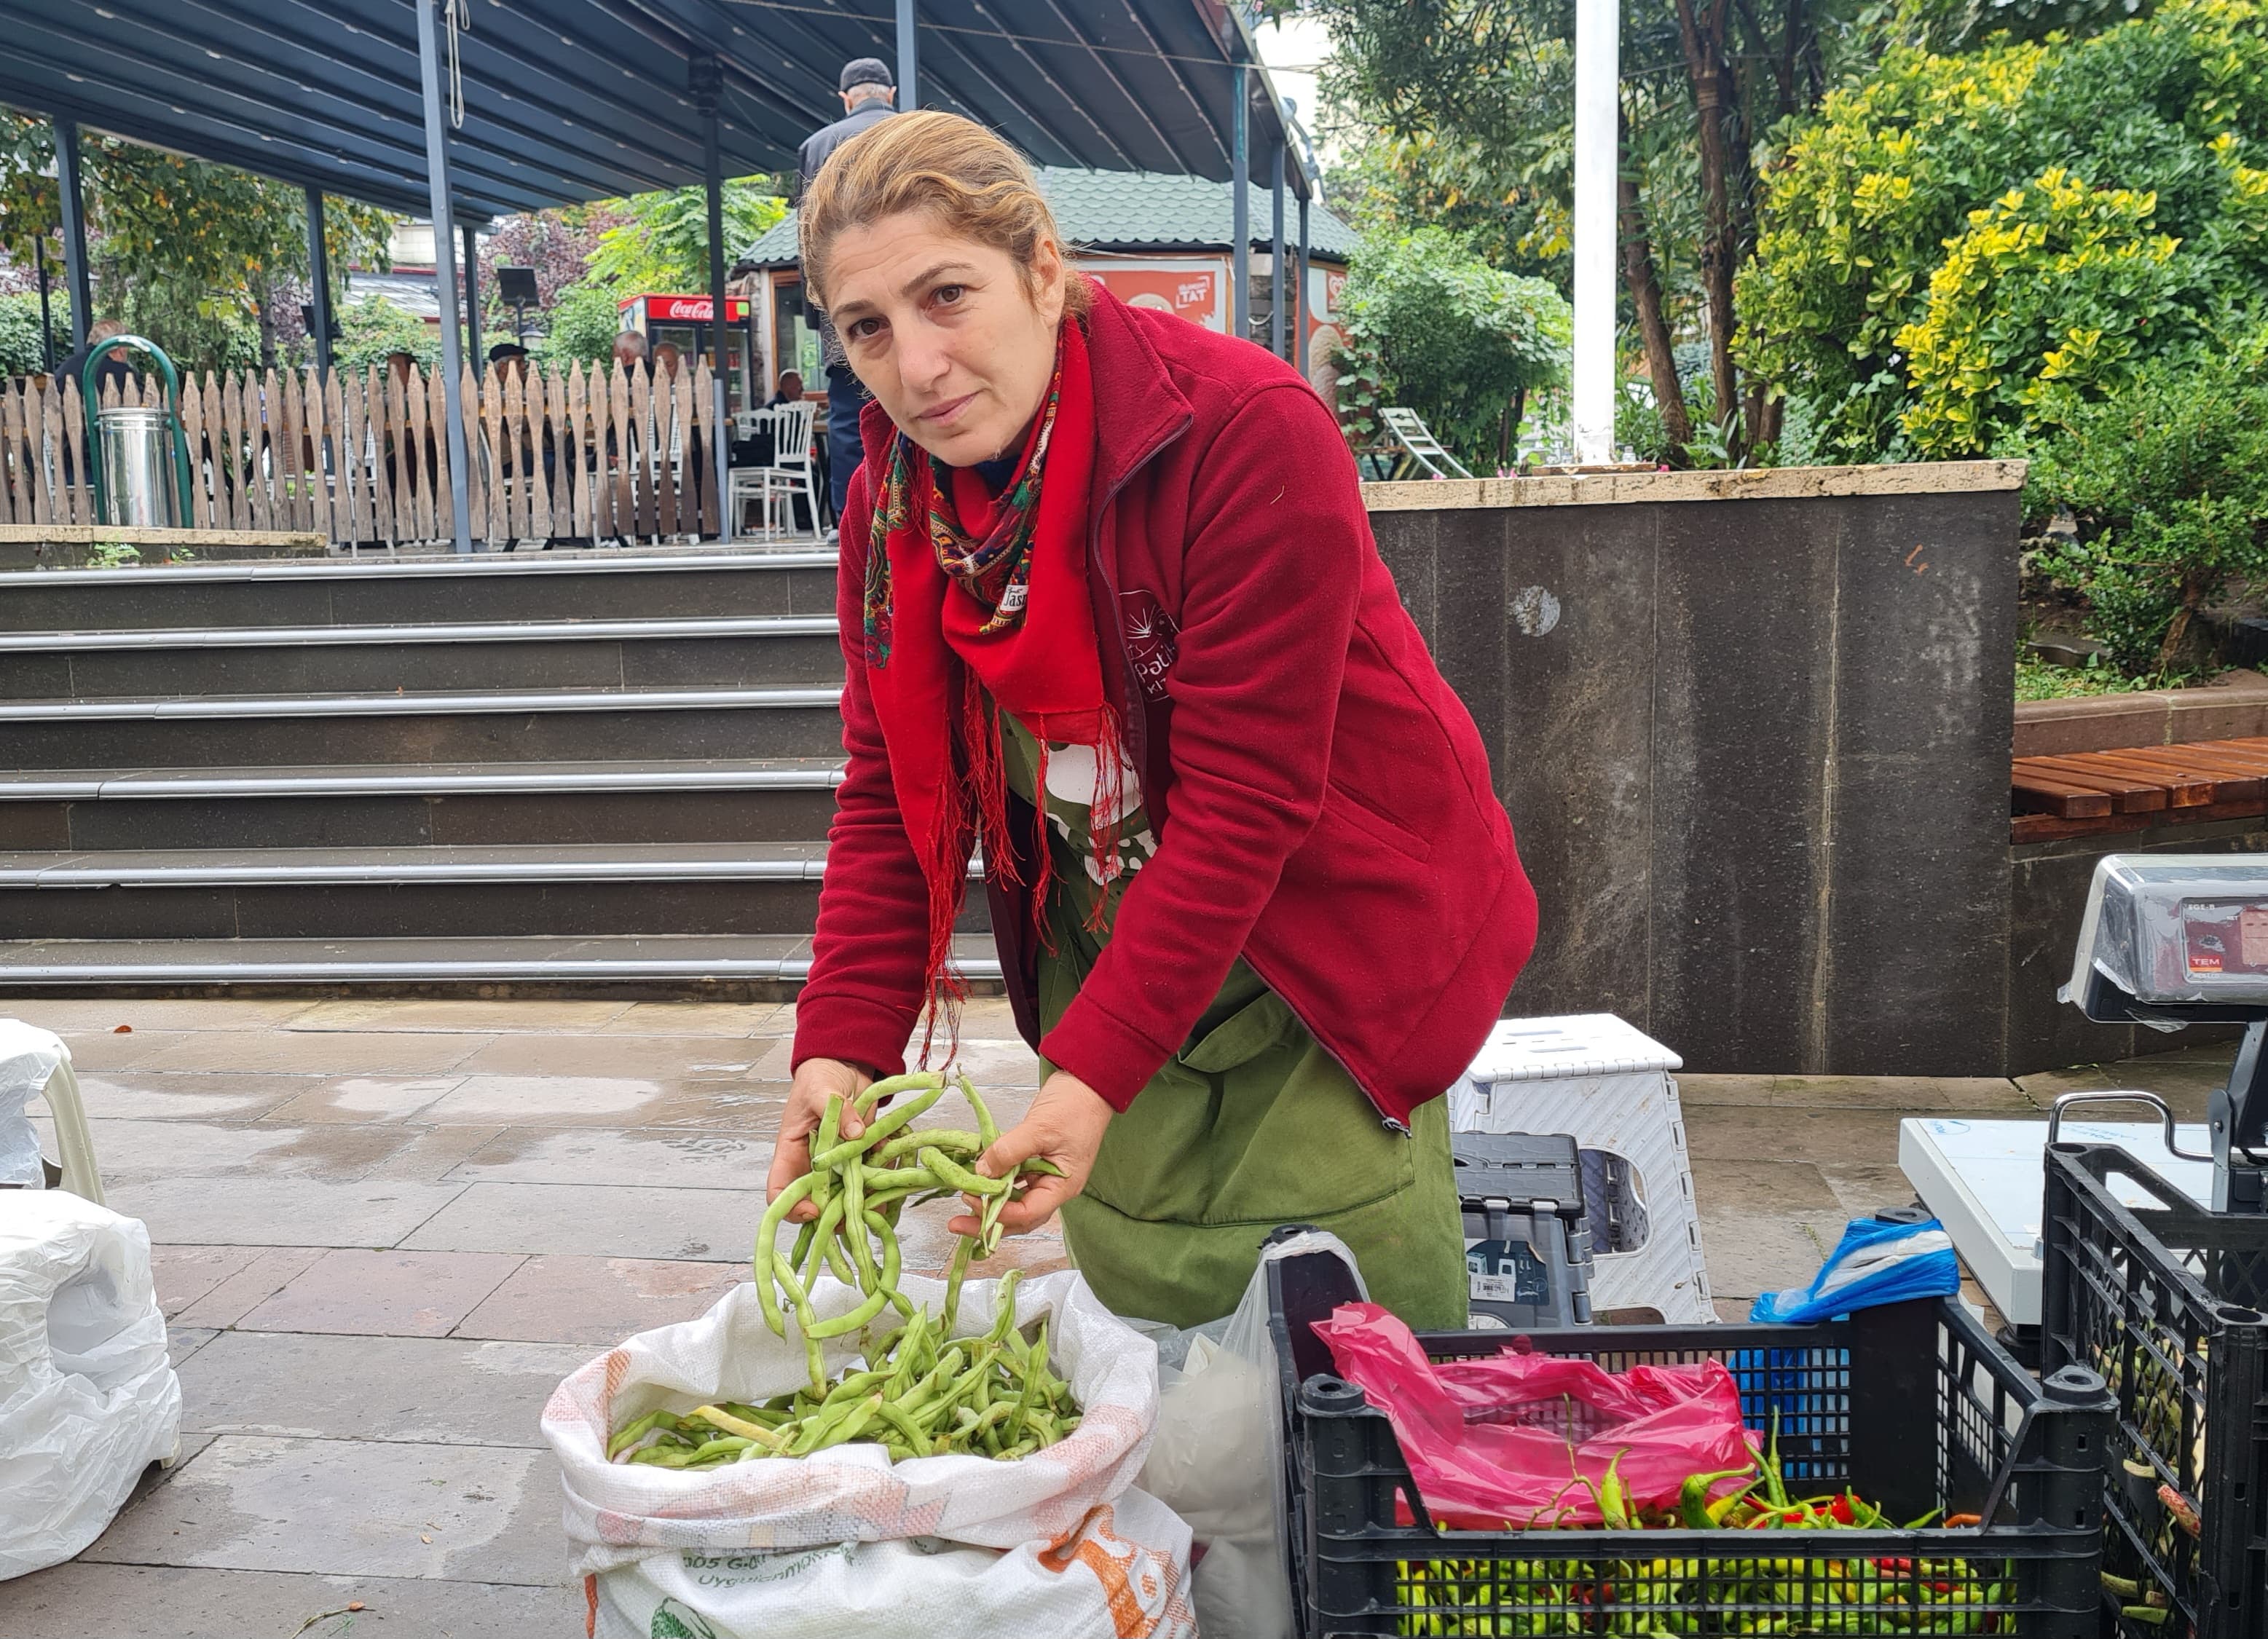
410, 892
522, 654
473, 727
680, 964
718, 800
484, 586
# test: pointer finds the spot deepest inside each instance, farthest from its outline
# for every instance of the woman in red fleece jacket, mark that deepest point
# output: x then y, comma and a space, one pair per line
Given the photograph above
1111, 611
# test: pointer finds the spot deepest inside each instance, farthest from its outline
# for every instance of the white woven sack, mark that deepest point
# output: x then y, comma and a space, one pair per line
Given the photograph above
619, 1513
87, 1398
1123, 1573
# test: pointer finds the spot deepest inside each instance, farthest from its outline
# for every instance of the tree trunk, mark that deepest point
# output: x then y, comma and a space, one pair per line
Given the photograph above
1653, 328
1703, 41
1507, 436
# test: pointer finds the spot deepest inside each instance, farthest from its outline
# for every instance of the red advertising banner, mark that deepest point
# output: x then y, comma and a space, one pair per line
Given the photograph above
687, 310
1192, 286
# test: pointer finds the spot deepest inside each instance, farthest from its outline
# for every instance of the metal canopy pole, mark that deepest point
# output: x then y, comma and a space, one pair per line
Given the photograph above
1240, 207
473, 302
1276, 315
74, 225
1300, 307
708, 81
445, 264
908, 59
318, 280
46, 319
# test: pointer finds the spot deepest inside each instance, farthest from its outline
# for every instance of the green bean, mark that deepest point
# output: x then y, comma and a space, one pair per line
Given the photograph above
881, 1129
954, 1272
632, 1434
988, 1131
952, 1173
911, 1081
768, 1248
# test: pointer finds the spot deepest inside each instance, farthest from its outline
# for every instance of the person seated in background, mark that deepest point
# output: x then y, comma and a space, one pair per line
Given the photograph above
790, 391
629, 350
114, 371
666, 360
509, 356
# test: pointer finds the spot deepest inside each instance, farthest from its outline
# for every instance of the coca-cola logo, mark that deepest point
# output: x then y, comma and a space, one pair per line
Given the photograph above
1151, 639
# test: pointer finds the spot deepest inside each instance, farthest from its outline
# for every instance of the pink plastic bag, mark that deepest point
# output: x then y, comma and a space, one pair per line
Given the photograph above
1509, 1440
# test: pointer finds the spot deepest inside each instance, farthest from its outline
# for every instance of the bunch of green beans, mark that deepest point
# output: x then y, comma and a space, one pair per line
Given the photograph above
859, 1185
921, 1392
924, 1396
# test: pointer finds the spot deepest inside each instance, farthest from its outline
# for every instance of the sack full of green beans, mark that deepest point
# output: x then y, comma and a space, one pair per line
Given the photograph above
812, 1532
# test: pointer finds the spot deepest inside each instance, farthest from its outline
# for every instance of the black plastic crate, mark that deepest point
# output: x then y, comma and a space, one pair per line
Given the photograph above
1912, 1405
2165, 1301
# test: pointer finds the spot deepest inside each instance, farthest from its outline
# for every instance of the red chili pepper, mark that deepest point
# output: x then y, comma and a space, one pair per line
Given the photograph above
1839, 1512
1894, 1567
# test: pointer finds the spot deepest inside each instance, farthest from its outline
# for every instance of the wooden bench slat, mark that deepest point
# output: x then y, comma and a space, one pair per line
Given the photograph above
2129, 793
2183, 791
2044, 793
2233, 781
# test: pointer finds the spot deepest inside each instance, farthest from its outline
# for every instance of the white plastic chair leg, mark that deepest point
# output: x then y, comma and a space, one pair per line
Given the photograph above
72, 1139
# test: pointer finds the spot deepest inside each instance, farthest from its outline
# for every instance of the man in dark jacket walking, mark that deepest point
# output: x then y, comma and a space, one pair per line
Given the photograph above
869, 97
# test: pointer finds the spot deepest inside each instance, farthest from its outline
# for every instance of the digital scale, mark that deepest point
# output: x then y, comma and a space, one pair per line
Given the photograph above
2168, 940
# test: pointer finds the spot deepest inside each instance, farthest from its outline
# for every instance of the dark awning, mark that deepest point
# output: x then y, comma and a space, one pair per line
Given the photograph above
567, 100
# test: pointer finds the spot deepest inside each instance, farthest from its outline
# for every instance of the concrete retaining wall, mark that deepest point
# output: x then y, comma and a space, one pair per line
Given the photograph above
1753, 730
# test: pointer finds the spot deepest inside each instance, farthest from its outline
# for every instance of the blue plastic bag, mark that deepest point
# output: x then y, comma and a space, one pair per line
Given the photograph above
1876, 1262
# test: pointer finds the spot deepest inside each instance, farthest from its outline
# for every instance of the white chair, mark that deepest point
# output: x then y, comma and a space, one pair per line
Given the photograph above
1410, 429
793, 471
746, 484
33, 1057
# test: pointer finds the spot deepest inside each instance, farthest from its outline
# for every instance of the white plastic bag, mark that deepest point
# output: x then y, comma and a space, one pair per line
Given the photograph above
28, 1056
1121, 1572
1218, 1460
87, 1398
725, 1544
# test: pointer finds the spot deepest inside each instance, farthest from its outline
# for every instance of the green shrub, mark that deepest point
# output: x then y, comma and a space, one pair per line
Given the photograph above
2168, 483
372, 327
1922, 285
1433, 326
585, 321
21, 353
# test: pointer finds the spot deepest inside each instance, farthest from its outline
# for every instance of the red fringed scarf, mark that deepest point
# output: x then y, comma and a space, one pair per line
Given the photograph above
974, 603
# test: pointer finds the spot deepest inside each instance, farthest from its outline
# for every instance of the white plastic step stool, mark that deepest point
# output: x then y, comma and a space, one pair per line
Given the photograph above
1592, 1076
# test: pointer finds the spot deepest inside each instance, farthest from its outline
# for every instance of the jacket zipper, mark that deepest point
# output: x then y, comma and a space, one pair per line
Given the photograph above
1137, 716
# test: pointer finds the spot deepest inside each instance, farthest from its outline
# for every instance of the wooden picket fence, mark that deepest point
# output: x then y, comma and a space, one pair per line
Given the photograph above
572, 455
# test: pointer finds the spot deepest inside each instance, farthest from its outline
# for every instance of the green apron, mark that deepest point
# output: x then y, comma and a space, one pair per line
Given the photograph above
1251, 1125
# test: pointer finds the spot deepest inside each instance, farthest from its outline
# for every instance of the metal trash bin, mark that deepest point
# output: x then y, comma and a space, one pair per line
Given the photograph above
138, 466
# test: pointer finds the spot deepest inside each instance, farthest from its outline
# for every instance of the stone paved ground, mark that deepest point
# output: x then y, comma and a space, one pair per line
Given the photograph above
385, 1229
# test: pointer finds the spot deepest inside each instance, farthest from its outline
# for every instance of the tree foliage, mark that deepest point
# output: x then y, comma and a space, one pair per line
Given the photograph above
1470, 103
1940, 248
207, 260
2168, 483
1432, 326
661, 241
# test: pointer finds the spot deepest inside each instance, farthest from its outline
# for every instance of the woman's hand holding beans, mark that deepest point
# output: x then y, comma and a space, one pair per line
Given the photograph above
816, 1080
1065, 1125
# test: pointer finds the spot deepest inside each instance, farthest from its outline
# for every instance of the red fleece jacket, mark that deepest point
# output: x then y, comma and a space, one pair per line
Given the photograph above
1320, 796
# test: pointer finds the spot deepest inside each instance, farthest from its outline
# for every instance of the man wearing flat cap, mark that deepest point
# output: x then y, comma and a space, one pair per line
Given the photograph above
869, 97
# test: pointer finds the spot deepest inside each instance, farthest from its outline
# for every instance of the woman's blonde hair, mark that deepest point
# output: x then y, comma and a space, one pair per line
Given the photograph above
974, 185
